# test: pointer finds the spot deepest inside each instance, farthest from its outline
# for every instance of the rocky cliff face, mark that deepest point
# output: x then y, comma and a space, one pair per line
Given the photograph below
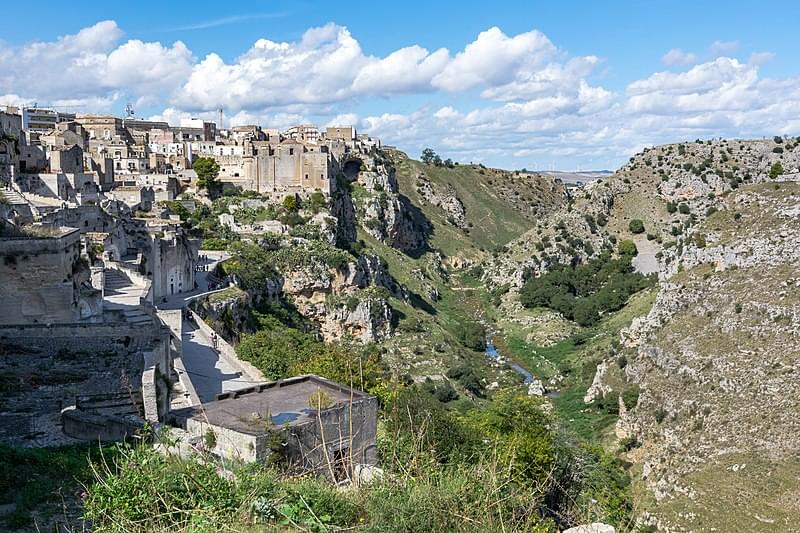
446, 200
670, 188
716, 358
382, 211
349, 301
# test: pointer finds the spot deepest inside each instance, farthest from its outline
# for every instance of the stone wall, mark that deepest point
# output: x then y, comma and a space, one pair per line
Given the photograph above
97, 367
37, 282
326, 445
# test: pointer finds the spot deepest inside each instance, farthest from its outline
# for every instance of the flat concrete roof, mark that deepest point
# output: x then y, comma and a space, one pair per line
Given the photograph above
259, 409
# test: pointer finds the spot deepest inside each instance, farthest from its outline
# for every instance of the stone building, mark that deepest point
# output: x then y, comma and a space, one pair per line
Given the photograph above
158, 249
66, 159
344, 133
329, 442
65, 134
10, 124
291, 166
102, 127
44, 279
135, 196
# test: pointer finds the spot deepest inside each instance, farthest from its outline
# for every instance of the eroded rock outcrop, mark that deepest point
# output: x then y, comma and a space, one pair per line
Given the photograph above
383, 212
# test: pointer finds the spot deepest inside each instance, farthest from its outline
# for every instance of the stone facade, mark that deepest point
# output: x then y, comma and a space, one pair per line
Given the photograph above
290, 166
40, 279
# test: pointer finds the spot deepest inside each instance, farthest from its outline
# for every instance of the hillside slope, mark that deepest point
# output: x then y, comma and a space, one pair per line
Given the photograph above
717, 361
474, 206
710, 428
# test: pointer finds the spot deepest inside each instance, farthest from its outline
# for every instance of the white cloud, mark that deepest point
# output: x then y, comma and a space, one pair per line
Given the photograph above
408, 69
721, 48
318, 69
495, 59
446, 113
503, 98
676, 56
761, 58
723, 97
343, 119
89, 68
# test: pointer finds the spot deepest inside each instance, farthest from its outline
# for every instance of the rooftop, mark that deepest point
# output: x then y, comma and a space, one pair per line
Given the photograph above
8, 231
257, 409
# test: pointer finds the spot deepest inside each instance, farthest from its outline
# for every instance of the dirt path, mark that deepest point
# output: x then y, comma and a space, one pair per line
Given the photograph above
645, 262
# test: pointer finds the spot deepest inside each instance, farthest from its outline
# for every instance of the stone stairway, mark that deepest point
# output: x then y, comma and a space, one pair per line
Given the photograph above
116, 282
122, 294
13, 197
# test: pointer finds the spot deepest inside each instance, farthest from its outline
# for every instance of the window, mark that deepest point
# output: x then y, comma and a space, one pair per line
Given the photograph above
291, 151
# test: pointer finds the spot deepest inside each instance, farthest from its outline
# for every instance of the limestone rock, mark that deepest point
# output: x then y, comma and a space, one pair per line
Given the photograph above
594, 527
536, 388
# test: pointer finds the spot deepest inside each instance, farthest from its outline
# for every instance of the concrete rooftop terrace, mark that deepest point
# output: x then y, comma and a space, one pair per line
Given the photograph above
285, 401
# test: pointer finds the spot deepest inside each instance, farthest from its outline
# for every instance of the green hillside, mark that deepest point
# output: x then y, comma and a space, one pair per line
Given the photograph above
499, 205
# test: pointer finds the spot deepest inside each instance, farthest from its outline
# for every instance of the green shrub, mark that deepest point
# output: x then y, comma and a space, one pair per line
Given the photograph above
468, 379
472, 335
630, 396
636, 226
602, 284
444, 392
775, 170
627, 248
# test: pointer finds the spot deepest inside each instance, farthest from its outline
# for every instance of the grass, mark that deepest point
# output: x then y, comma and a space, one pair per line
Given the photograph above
30, 232
760, 496
44, 484
226, 294
498, 205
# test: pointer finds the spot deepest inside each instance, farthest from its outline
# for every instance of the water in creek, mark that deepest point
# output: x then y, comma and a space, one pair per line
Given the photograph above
491, 351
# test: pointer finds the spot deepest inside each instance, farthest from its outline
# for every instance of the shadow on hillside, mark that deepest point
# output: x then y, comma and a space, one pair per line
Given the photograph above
418, 302
420, 225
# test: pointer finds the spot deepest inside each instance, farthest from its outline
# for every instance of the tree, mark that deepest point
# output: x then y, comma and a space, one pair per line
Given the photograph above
636, 226
437, 161
776, 170
317, 200
472, 335
627, 248
428, 156
207, 170
290, 203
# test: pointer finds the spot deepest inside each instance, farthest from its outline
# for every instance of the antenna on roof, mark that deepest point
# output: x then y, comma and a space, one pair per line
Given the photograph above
129, 110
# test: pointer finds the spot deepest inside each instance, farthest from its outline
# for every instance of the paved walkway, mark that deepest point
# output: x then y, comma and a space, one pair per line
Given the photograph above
210, 372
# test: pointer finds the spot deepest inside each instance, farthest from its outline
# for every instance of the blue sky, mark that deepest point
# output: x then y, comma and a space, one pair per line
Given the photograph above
516, 84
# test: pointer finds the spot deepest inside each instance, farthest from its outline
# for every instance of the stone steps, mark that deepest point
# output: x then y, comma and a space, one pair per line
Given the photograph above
13, 197
137, 317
